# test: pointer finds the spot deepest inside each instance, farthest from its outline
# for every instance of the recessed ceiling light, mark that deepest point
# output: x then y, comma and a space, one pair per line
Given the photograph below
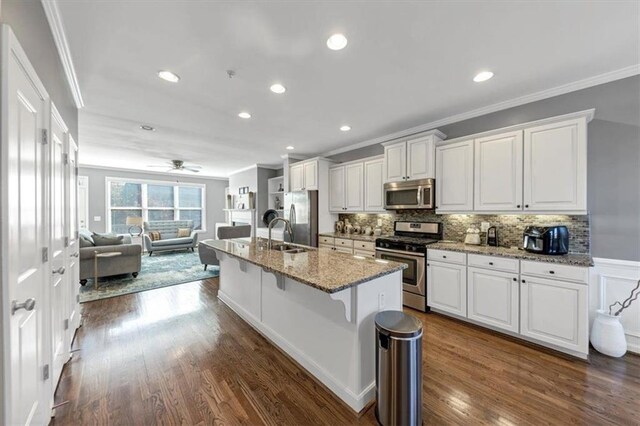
337, 42
289, 147
483, 76
244, 115
147, 128
345, 128
278, 88
169, 76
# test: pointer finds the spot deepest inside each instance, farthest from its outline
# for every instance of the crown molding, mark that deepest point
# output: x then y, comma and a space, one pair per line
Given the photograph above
151, 172
533, 97
57, 30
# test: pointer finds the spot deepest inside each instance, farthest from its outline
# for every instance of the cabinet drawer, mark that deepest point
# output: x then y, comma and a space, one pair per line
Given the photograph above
325, 246
364, 245
326, 240
364, 253
348, 250
494, 262
554, 270
447, 256
343, 242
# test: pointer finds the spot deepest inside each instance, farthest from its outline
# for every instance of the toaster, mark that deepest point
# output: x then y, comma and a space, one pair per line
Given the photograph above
546, 239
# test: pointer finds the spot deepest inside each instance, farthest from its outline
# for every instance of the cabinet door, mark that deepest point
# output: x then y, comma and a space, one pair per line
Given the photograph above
493, 298
555, 167
347, 250
421, 158
354, 187
555, 312
296, 177
336, 189
447, 287
454, 177
498, 172
373, 185
310, 175
395, 162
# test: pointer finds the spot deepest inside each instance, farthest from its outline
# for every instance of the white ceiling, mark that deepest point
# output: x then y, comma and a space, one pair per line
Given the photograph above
407, 63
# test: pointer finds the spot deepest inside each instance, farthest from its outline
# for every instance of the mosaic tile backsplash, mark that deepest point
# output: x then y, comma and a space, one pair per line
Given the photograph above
510, 227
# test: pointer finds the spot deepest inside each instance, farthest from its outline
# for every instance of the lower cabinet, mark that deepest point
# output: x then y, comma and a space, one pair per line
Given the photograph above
555, 312
447, 287
493, 298
347, 245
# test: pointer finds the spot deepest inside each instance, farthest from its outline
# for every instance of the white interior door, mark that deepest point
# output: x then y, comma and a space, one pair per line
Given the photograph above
25, 270
73, 251
58, 245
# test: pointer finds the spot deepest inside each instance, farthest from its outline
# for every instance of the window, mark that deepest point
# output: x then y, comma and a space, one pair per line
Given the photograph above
153, 200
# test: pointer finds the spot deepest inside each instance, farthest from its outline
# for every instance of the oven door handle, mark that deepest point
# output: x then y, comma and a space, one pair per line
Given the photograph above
401, 252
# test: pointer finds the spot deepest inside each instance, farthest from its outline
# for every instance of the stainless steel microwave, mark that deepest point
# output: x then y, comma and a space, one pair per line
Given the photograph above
410, 195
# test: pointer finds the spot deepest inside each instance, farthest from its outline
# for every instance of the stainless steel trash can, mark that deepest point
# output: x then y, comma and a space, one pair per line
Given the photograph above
398, 369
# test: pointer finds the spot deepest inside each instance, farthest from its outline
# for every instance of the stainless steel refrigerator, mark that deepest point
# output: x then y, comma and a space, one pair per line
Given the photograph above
301, 209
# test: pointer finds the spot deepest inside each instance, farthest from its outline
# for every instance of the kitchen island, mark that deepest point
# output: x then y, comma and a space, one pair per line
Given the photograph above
318, 306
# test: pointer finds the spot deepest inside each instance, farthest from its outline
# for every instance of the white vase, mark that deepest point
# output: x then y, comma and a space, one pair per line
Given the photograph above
607, 335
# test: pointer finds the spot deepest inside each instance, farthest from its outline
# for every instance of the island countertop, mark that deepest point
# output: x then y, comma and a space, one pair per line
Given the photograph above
322, 269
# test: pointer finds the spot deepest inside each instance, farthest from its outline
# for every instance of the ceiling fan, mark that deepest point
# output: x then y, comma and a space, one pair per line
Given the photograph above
179, 166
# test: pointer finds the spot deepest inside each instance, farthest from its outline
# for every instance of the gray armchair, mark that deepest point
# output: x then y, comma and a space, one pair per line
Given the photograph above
208, 255
169, 239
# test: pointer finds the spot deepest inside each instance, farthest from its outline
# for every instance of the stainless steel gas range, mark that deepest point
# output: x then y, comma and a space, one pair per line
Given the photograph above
409, 245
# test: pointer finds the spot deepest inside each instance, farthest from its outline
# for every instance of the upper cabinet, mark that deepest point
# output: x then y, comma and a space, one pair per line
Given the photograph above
454, 177
538, 167
356, 186
498, 172
373, 185
303, 176
555, 166
411, 159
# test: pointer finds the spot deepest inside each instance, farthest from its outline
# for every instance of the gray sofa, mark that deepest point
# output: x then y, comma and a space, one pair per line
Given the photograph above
169, 239
208, 255
129, 262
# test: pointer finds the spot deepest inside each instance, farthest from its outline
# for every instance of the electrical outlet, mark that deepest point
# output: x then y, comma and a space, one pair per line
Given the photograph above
381, 300
484, 226
379, 222
97, 218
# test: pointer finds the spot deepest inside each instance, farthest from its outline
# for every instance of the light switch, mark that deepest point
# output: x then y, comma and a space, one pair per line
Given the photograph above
97, 218
381, 301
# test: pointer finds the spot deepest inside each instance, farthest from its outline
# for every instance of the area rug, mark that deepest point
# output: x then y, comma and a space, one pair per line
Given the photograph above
160, 270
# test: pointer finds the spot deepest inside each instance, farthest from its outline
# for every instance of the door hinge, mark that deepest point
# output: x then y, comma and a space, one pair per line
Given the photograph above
45, 372
66, 324
45, 136
45, 254
66, 241
77, 171
65, 159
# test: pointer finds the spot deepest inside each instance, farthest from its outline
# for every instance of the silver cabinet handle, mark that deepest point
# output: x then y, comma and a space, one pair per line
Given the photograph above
27, 305
60, 271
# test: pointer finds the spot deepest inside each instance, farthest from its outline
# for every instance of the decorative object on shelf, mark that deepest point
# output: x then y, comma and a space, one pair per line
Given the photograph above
277, 203
473, 236
135, 222
377, 232
243, 190
368, 231
356, 229
492, 236
607, 333
339, 227
281, 188
252, 200
229, 203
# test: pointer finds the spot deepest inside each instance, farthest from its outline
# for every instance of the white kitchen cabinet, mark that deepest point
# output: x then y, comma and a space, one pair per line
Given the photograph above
374, 185
310, 169
296, 177
303, 176
555, 312
555, 167
354, 187
411, 159
498, 172
454, 177
337, 189
447, 287
493, 298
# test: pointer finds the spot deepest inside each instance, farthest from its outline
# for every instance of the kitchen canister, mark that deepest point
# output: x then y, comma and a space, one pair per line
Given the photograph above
607, 335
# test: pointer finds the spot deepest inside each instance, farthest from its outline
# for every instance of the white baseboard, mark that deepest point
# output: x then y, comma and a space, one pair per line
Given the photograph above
612, 280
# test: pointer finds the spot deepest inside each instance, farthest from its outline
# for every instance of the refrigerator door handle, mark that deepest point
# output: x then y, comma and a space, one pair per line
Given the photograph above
292, 220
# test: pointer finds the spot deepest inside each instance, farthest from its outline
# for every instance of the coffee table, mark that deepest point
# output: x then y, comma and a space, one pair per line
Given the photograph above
102, 256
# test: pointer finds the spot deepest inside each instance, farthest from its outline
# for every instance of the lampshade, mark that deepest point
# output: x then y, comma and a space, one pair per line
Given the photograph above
134, 221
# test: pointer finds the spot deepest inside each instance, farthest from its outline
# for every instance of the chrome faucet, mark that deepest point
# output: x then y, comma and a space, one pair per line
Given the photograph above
287, 227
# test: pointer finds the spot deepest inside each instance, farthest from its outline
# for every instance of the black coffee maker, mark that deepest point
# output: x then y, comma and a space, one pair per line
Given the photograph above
546, 239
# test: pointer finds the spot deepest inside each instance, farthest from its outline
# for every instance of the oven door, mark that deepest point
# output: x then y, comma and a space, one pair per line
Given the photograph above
413, 278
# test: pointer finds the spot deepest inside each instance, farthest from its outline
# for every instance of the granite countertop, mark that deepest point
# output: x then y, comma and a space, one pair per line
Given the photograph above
566, 259
324, 270
358, 237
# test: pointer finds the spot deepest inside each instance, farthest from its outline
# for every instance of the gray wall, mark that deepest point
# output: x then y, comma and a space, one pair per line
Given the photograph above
256, 178
214, 195
613, 157
30, 25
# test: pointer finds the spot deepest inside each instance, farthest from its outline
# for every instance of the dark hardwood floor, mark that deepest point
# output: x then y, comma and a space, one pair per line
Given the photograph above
177, 355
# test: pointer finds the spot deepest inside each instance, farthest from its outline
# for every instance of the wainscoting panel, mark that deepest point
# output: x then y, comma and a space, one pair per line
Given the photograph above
612, 281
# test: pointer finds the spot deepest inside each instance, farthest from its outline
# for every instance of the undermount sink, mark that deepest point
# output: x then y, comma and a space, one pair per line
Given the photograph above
287, 248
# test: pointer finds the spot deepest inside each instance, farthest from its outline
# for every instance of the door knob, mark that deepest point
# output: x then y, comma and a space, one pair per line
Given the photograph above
60, 271
27, 305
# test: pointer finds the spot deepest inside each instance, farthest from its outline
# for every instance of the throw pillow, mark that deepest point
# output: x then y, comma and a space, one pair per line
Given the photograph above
85, 243
87, 235
184, 232
154, 235
107, 239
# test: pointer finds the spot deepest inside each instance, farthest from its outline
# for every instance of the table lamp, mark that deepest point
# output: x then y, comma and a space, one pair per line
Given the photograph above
134, 222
